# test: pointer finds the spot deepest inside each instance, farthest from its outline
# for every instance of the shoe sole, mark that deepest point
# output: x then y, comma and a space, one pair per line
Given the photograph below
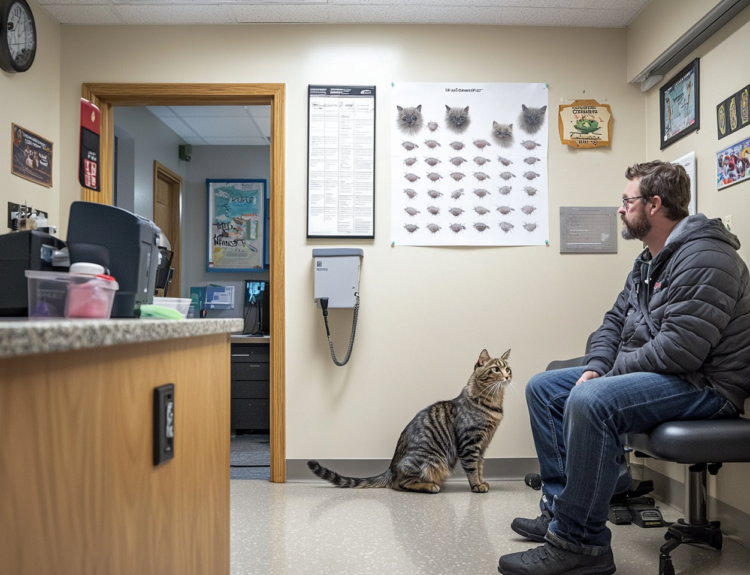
533, 537
574, 572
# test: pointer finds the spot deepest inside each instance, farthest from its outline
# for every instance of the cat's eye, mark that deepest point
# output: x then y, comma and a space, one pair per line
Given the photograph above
495, 370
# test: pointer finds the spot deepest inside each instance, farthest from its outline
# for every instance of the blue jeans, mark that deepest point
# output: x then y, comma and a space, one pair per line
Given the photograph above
577, 431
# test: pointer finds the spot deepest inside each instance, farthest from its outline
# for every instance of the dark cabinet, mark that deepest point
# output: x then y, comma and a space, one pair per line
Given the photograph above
251, 386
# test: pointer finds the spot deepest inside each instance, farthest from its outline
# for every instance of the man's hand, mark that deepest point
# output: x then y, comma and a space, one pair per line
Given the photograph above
586, 376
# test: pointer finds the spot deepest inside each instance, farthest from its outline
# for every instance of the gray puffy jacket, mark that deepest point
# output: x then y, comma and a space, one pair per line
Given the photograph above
684, 312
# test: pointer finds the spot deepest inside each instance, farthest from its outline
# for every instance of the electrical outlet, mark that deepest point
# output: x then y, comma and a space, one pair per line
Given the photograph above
163, 423
727, 221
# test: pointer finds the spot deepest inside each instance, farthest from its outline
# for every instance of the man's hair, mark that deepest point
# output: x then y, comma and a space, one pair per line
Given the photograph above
668, 181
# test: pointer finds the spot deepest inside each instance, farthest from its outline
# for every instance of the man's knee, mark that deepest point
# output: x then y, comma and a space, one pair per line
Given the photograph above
586, 399
536, 386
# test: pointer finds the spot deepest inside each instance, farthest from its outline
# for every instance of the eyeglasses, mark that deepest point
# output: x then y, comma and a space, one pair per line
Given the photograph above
626, 201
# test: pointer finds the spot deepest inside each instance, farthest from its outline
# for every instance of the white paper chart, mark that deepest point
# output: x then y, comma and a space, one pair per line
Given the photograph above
469, 164
341, 162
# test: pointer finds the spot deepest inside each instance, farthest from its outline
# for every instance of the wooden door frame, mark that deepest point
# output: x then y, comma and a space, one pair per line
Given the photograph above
106, 96
176, 242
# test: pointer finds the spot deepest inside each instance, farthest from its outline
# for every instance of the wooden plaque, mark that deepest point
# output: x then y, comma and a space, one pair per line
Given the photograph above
585, 124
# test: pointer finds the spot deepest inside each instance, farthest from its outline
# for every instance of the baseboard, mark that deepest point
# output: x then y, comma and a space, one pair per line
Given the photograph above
734, 523
495, 469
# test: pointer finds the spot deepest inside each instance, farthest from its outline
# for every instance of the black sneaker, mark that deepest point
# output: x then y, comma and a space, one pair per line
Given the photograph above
534, 529
550, 560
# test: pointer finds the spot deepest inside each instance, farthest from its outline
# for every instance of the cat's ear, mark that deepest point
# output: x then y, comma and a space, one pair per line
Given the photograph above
543, 109
494, 125
484, 357
466, 109
400, 109
448, 108
419, 108
505, 356
510, 126
523, 106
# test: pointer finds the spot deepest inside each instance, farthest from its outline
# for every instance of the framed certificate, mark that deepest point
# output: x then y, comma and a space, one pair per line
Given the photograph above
341, 162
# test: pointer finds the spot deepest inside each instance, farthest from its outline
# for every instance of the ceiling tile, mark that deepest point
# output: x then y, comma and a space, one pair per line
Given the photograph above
289, 13
176, 14
180, 128
83, 14
265, 125
84, 2
583, 13
160, 111
237, 141
210, 111
223, 127
259, 111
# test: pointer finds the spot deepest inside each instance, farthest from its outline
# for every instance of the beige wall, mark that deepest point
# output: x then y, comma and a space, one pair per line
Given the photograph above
659, 25
31, 100
426, 313
716, 84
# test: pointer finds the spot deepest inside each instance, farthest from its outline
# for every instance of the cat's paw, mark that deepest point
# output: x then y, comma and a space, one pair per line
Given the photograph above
483, 487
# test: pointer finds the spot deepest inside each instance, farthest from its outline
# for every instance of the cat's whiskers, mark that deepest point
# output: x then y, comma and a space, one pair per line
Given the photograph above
512, 387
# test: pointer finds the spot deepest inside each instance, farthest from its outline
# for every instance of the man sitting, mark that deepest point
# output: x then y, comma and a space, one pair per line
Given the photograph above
675, 346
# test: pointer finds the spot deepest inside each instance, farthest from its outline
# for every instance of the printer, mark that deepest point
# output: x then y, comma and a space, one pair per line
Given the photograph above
124, 243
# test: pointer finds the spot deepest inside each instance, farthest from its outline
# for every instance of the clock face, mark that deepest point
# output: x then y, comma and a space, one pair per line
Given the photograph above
21, 35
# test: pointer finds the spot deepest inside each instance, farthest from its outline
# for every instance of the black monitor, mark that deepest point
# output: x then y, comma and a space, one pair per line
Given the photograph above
257, 307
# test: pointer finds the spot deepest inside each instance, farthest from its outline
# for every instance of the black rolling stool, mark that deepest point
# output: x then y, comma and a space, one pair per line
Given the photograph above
702, 446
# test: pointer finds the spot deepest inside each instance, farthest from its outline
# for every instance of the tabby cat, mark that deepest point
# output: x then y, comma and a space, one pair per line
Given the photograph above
441, 435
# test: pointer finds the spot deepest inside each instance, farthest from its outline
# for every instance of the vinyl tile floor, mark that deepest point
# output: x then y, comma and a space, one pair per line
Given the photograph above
315, 528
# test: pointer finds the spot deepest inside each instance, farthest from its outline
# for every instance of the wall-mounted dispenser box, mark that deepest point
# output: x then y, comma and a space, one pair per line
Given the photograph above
337, 275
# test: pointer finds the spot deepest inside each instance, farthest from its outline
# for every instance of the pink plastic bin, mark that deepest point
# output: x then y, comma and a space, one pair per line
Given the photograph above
91, 298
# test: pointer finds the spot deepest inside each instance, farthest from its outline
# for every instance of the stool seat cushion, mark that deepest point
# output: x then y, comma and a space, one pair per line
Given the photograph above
713, 441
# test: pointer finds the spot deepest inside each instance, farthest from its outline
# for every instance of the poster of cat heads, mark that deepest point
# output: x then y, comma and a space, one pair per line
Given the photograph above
469, 164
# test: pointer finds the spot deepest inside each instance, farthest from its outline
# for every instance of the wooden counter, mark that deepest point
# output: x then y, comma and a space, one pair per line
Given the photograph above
78, 490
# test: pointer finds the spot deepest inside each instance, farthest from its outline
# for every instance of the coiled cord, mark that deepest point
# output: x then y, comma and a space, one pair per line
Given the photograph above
324, 305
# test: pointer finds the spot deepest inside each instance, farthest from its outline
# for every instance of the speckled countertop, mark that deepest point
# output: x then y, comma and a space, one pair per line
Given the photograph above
26, 337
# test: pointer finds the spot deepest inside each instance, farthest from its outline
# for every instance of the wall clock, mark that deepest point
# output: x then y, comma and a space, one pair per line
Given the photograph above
17, 36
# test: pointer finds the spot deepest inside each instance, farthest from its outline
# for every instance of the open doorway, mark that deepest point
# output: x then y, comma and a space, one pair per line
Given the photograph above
107, 96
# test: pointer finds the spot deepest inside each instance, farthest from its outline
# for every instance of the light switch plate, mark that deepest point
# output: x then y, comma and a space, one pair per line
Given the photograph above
164, 418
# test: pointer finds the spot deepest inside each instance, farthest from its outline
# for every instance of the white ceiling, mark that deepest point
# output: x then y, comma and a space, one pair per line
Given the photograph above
218, 125
584, 13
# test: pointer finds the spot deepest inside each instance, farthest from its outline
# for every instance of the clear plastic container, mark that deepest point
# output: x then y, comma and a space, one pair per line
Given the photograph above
181, 304
57, 294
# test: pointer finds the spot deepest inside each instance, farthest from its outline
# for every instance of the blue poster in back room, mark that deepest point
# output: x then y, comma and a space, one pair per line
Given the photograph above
236, 225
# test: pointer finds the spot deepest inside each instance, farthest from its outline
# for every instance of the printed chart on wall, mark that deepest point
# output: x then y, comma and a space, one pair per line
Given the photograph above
341, 162
469, 164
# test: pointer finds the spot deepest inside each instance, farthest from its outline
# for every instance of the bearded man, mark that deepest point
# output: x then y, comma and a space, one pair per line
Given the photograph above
675, 346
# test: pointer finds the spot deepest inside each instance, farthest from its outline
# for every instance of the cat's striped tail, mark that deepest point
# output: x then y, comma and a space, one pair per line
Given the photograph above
382, 480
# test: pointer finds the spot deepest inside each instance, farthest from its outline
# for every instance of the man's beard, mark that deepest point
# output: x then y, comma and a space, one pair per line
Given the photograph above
637, 229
